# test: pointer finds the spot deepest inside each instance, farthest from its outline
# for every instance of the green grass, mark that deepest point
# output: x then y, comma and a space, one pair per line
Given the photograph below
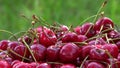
68, 12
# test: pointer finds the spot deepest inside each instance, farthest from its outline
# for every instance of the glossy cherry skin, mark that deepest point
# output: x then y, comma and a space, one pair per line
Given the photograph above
98, 54
47, 37
68, 66
4, 44
4, 64
105, 22
115, 63
82, 38
99, 41
86, 51
44, 65
69, 52
39, 51
77, 30
95, 65
63, 28
114, 35
21, 65
27, 39
112, 49
52, 53
118, 45
70, 37
22, 51
88, 30
13, 44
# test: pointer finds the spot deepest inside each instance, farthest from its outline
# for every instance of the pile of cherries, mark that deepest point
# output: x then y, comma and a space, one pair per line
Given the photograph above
87, 46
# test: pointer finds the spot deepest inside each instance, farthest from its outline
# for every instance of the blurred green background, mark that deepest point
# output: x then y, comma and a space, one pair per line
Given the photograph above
68, 12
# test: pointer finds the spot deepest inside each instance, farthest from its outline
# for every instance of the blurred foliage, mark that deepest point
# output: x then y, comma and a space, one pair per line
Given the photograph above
68, 12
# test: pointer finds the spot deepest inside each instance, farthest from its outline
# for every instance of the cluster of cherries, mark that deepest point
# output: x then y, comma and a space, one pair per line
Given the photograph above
88, 46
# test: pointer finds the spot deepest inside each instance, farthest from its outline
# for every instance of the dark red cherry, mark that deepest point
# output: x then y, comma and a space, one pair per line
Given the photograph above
21, 65
4, 64
69, 52
112, 49
105, 22
13, 44
44, 65
98, 54
4, 44
39, 51
47, 37
77, 30
95, 65
86, 51
52, 53
27, 39
68, 66
99, 41
88, 30
22, 51
70, 37
82, 38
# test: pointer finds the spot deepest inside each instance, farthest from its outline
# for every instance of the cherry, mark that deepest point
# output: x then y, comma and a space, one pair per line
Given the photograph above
21, 65
53, 53
4, 64
70, 37
63, 28
99, 41
4, 44
44, 65
112, 49
68, 66
98, 54
56, 65
69, 52
22, 51
27, 39
82, 38
15, 62
115, 63
118, 45
39, 51
33, 64
113, 35
95, 65
77, 30
13, 44
86, 51
88, 30
47, 37
105, 22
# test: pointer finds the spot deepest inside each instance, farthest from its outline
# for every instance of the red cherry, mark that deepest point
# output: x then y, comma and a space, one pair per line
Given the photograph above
86, 51
70, 37
99, 41
77, 30
82, 38
21, 65
53, 53
112, 49
68, 66
69, 52
105, 22
39, 51
22, 51
13, 44
44, 65
95, 65
88, 30
98, 54
4, 64
47, 37
27, 39
4, 44
63, 28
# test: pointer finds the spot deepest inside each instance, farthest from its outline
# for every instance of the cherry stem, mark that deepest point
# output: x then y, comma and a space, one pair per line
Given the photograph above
9, 33
81, 66
16, 34
29, 50
100, 9
18, 54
